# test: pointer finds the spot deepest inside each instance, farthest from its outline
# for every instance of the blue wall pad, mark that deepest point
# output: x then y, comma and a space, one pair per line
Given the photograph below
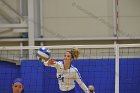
8, 72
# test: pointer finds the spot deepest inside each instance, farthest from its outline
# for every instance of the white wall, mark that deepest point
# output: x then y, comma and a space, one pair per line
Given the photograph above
90, 18
78, 18
129, 18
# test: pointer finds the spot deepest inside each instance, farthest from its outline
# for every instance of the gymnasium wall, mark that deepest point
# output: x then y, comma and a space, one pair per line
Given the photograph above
99, 72
9, 14
78, 19
90, 18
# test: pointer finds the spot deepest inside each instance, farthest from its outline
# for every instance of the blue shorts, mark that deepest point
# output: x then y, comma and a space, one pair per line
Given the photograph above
70, 91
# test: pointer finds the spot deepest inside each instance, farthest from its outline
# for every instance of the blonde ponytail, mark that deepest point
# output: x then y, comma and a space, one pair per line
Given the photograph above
75, 53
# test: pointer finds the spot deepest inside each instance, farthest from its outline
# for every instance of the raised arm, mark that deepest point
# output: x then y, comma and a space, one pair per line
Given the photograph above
52, 63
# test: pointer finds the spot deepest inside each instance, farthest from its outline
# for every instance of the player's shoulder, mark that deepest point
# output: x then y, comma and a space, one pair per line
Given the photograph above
74, 68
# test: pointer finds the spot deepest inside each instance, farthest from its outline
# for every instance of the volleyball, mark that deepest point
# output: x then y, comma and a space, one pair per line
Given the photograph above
43, 54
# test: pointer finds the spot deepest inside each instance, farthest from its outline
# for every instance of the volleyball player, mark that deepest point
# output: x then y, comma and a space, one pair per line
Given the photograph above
17, 86
66, 73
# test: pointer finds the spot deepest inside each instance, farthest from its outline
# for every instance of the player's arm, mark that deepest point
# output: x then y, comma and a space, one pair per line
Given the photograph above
52, 63
80, 82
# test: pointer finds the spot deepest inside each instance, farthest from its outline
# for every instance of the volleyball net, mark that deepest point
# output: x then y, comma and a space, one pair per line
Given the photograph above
110, 68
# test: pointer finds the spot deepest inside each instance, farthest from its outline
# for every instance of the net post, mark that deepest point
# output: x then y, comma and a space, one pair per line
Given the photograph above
116, 68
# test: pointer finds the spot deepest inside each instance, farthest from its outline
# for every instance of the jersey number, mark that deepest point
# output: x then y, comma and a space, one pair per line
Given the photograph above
60, 77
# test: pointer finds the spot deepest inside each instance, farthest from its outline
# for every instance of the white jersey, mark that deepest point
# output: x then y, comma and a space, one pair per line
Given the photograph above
67, 77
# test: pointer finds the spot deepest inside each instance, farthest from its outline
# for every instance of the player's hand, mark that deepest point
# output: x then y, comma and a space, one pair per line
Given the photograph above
51, 62
42, 59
